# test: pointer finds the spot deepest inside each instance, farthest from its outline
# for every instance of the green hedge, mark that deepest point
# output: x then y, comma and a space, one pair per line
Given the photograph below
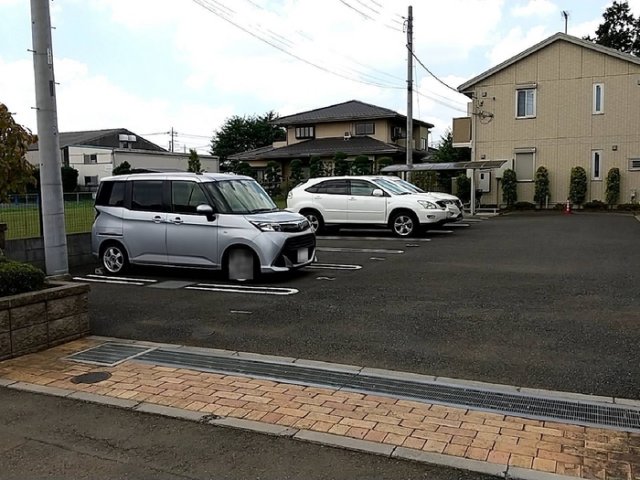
16, 277
629, 207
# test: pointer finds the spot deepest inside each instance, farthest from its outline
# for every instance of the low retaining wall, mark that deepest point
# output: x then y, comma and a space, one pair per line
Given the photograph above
35, 321
31, 250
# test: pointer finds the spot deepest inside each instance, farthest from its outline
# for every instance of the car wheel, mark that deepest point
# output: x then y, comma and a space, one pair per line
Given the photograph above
404, 224
241, 265
315, 220
114, 258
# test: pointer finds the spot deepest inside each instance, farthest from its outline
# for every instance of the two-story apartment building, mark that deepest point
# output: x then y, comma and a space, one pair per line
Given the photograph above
562, 103
353, 128
95, 153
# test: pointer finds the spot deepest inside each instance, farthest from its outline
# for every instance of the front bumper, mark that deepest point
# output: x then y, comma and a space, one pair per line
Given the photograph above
297, 252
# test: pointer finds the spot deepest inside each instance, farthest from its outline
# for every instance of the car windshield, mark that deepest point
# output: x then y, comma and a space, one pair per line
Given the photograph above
392, 187
240, 196
409, 186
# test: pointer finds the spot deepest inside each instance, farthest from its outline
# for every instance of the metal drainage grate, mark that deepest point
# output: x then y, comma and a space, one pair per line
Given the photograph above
600, 415
528, 406
109, 354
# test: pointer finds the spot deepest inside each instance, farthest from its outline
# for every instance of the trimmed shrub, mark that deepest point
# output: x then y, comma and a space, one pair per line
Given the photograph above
362, 165
340, 164
16, 277
595, 205
613, 186
509, 187
463, 184
296, 175
541, 186
524, 206
384, 162
629, 207
578, 185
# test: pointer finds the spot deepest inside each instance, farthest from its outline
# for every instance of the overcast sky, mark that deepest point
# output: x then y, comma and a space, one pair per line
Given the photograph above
150, 65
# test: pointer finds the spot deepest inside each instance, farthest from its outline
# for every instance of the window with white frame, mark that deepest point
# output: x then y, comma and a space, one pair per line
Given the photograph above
598, 98
91, 180
634, 164
306, 132
525, 103
524, 166
90, 158
596, 165
423, 143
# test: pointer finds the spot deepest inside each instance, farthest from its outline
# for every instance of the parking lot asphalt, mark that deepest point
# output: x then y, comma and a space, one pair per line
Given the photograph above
537, 300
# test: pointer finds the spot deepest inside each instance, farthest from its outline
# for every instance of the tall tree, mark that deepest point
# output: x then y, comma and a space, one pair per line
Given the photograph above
619, 30
16, 173
239, 134
447, 153
194, 161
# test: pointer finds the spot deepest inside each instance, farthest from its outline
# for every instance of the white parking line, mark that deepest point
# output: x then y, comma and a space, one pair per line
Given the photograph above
358, 250
457, 225
210, 287
438, 232
333, 266
144, 280
374, 239
108, 280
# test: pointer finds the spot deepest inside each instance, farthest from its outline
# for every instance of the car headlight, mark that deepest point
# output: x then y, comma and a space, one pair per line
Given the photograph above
267, 226
428, 204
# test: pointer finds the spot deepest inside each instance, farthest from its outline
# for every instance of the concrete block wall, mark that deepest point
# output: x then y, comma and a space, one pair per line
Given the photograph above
31, 250
34, 321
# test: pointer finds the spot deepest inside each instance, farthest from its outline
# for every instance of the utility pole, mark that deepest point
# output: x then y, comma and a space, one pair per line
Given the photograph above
409, 141
53, 231
171, 144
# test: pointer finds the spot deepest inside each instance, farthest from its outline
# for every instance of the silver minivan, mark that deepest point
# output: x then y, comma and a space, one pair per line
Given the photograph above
217, 221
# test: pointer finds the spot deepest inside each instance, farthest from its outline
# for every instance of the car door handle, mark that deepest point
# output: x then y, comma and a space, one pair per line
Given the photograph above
157, 219
353, 198
177, 221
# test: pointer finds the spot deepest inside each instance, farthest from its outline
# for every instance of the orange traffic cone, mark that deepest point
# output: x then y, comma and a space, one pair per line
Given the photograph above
567, 207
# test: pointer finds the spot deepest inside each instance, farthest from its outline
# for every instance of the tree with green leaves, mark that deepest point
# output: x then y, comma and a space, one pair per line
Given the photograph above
463, 185
123, 169
16, 173
340, 164
194, 161
383, 162
272, 178
619, 29
446, 153
509, 187
578, 185
69, 177
362, 165
296, 175
541, 186
613, 186
317, 168
239, 134
243, 168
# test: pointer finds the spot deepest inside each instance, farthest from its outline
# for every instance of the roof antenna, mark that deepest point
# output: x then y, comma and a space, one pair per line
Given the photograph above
565, 15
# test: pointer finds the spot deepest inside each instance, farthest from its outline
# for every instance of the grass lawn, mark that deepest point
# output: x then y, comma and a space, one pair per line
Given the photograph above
23, 221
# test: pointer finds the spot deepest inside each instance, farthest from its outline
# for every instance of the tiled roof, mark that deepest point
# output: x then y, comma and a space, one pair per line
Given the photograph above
98, 137
351, 110
322, 147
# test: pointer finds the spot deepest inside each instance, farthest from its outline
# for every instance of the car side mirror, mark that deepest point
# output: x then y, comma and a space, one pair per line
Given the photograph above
206, 210
377, 193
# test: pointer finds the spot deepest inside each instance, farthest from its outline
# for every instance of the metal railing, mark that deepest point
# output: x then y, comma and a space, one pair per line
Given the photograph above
22, 214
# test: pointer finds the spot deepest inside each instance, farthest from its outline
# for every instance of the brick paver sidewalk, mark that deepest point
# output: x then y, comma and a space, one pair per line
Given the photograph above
543, 446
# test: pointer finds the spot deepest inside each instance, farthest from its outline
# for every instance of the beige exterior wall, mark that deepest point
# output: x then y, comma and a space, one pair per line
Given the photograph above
565, 130
338, 129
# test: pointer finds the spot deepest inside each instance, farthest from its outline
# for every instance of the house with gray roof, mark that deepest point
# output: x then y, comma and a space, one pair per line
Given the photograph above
353, 128
95, 153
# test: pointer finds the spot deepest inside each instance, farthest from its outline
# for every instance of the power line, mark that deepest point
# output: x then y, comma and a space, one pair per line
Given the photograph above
365, 15
433, 74
223, 16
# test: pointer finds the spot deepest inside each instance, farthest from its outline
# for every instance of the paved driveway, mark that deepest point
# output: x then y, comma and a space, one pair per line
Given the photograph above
540, 300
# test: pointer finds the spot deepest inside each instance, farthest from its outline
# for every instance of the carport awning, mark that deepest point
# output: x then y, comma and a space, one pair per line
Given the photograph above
419, 167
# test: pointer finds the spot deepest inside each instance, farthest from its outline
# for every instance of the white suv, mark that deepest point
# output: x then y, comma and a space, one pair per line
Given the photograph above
365, 200
450, 202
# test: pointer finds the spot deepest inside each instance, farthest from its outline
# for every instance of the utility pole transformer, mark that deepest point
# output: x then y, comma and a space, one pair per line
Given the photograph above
53, 230
409, 140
